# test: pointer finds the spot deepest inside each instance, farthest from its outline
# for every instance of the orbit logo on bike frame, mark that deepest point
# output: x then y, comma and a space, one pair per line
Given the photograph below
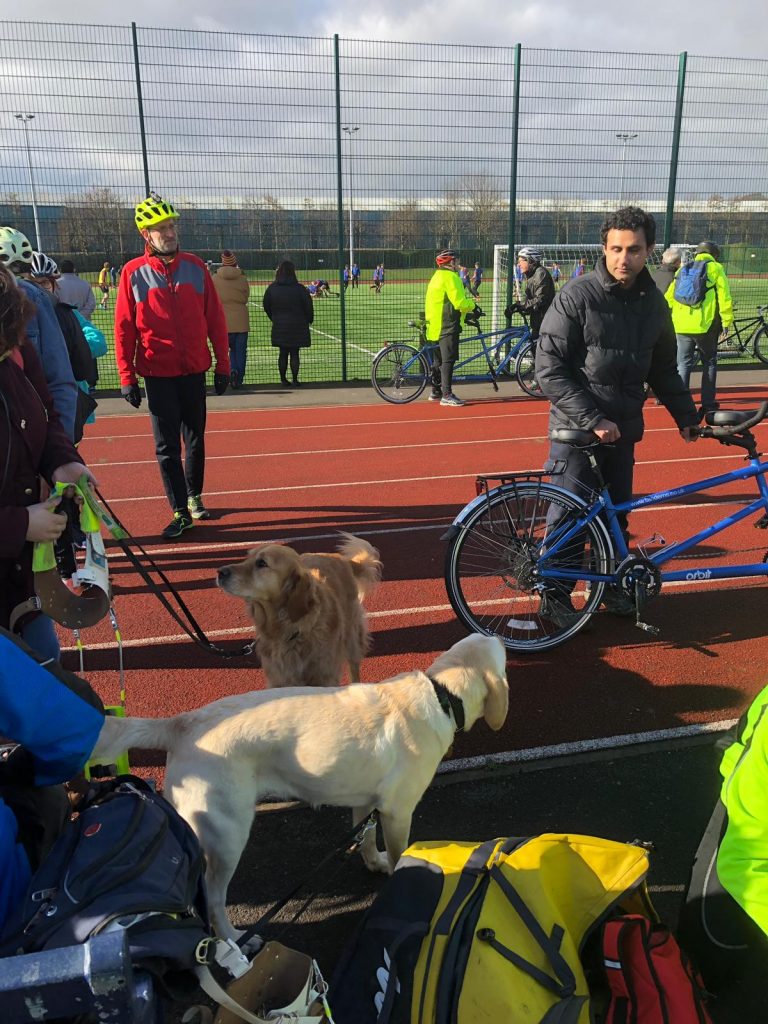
699, 574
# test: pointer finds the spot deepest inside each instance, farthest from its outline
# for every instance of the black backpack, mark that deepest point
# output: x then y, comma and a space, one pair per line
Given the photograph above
127, 861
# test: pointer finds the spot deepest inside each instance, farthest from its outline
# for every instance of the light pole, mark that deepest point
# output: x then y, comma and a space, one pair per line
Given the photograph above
624, 138
350, 130
25, 118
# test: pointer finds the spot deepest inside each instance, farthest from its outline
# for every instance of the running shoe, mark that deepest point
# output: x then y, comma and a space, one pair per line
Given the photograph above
197, 509
617, 603
181, 521
451, 399
562, 614
434, 396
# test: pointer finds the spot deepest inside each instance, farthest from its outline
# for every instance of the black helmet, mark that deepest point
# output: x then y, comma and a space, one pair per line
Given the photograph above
709, 246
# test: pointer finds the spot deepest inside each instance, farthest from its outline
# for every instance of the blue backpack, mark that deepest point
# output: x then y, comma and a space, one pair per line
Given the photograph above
127, 861
691, 283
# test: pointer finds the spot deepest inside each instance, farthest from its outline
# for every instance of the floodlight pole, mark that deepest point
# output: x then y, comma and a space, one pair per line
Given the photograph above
350, 130
624, 138
25, 118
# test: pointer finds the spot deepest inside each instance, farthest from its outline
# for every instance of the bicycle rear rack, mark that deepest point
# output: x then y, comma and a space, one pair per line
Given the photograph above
528, 476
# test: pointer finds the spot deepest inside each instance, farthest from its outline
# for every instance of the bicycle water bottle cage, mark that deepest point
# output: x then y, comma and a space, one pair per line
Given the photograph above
575, 438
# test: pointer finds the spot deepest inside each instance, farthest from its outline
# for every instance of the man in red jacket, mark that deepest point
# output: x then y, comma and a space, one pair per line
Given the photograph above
167, 310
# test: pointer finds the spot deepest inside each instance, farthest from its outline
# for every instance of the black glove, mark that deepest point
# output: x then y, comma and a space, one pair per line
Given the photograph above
220, 382
131, 394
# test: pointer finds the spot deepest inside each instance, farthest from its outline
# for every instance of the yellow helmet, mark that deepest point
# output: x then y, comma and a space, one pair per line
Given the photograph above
153, 210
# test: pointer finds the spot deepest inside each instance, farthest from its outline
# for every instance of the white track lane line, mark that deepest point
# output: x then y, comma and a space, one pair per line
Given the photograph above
275, 488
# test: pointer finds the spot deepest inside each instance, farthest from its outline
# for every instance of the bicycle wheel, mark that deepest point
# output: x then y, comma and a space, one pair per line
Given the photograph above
525, 371
492, 571
399, 373
760, 341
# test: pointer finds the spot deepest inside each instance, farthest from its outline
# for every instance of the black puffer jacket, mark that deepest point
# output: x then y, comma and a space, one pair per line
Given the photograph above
539, 293
598, 346
288, 305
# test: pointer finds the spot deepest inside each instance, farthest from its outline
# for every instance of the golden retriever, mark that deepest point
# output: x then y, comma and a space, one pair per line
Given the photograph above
361, 746
307, 609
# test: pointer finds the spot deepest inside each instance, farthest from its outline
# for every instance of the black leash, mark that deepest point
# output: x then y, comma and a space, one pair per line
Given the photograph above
191, 627
349, 845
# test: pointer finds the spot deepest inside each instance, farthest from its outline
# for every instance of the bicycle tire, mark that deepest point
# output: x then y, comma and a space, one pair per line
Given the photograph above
760, 344
399, 373
525, 371
490, 567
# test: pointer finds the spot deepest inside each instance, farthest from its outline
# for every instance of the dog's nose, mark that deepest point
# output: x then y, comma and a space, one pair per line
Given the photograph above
223, 574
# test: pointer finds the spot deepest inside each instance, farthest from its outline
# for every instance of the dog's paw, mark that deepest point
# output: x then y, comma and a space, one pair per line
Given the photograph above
252, 946
378, 862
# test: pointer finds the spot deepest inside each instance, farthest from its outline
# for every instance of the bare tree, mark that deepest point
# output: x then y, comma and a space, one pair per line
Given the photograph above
482, 197
96, 222
402, 225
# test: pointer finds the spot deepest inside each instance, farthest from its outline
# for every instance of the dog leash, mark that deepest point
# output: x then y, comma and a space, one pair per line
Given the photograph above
191, 626
348, 845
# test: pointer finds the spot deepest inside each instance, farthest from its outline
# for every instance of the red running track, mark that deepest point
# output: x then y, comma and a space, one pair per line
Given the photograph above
397, 476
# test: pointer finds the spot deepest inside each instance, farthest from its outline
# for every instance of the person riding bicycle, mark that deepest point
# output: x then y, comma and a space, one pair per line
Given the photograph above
445, 307
539, 289
605, 335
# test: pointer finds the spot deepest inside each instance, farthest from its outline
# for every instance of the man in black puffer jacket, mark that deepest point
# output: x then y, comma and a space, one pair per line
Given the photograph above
539, 289
605, 335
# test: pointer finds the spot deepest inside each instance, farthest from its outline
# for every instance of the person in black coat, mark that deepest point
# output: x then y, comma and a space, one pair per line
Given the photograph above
288, 305
605, 335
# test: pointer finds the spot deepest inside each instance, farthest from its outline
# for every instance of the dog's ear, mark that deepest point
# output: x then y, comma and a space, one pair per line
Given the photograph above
300, 598
496, 699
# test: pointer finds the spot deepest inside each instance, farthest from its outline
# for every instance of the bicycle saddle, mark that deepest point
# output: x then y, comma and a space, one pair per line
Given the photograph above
728, 417
575, 438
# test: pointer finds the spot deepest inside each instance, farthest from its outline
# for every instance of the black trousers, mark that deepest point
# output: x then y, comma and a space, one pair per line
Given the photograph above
443, 361
616, 463
177, 410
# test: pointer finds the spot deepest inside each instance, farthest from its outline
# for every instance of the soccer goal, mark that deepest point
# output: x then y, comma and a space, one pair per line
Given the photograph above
565, 257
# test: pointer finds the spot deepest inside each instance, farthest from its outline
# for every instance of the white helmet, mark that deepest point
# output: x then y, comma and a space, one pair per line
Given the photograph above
14, 247
530, 254
43, 266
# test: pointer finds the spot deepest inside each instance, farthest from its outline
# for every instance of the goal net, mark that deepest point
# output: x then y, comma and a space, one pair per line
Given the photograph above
566, 258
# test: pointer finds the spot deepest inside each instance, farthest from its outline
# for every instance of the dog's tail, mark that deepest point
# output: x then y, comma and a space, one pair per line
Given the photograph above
364, 561
120, 734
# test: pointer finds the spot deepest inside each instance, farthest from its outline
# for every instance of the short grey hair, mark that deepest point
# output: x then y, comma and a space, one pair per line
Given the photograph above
671, 257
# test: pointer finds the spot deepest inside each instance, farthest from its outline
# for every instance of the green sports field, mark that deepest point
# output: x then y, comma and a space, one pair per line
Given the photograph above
371, 320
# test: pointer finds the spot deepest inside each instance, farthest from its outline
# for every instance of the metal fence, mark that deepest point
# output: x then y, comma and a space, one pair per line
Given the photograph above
333, 151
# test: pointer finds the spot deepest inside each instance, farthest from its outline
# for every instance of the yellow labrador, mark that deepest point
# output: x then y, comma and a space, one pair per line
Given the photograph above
360, 746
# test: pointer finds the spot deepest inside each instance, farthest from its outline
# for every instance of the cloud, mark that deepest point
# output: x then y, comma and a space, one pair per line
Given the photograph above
655, 26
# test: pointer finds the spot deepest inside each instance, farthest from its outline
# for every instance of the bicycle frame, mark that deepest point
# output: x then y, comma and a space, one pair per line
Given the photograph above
515, 337
603, 505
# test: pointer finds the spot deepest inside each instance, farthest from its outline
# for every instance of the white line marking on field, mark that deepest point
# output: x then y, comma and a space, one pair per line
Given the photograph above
583, 746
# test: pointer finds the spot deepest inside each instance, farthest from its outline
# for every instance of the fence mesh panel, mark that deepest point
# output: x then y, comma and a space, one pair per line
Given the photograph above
242, 133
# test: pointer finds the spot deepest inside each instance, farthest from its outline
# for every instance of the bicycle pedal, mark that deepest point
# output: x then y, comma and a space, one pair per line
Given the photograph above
648, 628
762, 523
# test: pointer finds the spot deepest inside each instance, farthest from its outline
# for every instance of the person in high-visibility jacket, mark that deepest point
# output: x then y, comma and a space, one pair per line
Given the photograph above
698, 328
446, 304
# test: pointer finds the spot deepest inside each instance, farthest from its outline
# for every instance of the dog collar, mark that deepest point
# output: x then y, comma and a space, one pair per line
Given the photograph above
449, 702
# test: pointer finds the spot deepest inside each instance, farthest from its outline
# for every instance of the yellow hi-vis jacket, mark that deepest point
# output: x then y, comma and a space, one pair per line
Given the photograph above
742, 861
699, 319
446, 303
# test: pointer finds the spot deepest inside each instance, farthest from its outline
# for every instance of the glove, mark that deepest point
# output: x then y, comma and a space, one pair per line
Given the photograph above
510, 311
131, 394
220, 382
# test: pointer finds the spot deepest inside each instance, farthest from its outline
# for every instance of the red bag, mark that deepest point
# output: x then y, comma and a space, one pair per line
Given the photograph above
650, 978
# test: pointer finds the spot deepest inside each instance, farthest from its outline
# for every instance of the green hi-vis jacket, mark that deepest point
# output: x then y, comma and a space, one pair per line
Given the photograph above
742, 861
446, 303
698, 319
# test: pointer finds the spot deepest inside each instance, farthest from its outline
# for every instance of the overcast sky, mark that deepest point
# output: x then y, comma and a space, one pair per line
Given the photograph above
704, 27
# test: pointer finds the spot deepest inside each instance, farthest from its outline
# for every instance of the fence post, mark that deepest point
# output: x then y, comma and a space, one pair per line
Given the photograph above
513, 179
682, 63
340, 211
137, 67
